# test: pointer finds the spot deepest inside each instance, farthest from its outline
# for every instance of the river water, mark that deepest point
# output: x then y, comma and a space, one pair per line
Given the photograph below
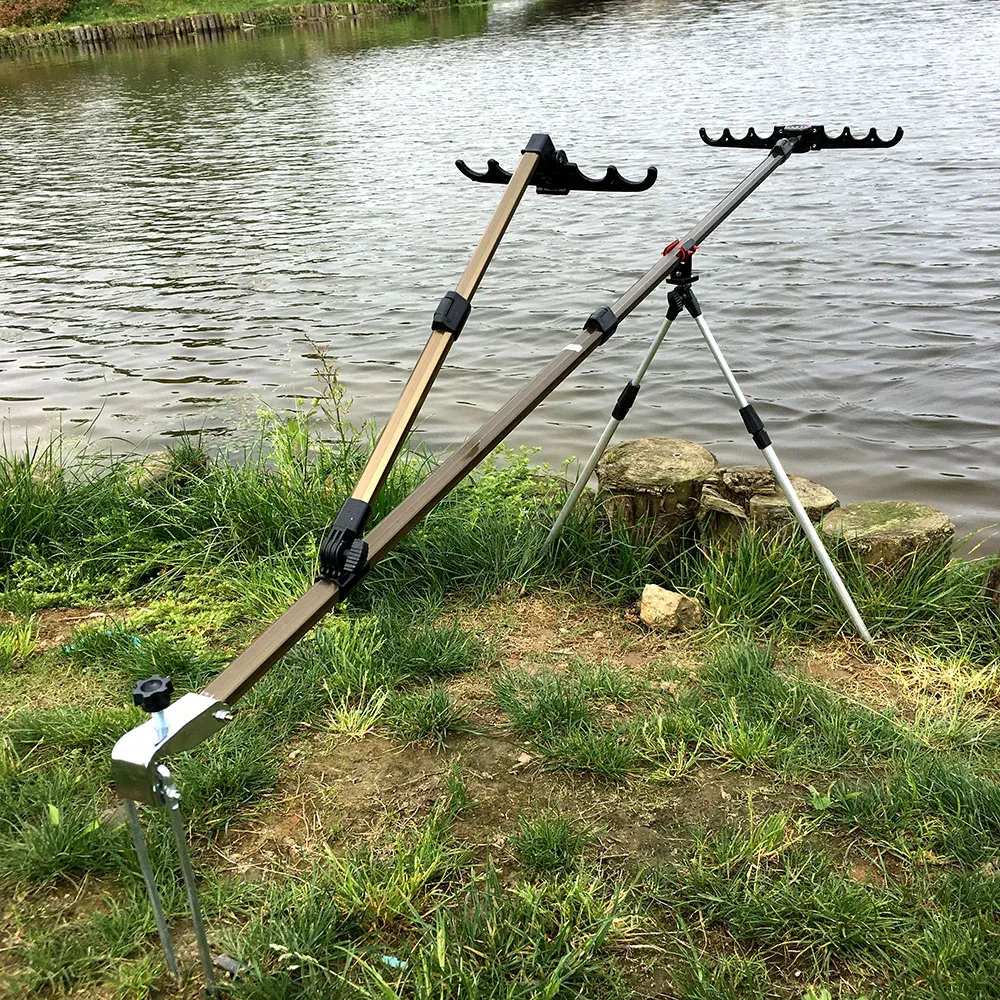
181, 227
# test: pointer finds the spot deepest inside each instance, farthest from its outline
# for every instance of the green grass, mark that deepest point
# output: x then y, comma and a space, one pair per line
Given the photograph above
430, 716
17, 640
852, 852
931, 806
276, 12
549, 842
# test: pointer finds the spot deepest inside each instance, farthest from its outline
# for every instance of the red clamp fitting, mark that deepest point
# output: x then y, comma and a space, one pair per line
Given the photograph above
683, 252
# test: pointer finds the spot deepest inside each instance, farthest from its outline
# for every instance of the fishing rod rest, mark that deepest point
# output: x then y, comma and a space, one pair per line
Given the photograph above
803, 139
555, 174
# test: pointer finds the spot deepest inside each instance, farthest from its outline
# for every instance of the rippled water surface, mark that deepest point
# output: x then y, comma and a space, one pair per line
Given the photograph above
180, 227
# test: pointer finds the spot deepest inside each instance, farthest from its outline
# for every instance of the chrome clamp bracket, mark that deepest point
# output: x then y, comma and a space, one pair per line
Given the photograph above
182, 725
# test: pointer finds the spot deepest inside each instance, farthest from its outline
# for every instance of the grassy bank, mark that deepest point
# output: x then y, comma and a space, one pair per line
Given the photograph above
483, 778
51, 15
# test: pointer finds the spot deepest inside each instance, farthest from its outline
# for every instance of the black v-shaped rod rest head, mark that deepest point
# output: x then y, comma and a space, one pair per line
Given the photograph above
556, 175
809, 137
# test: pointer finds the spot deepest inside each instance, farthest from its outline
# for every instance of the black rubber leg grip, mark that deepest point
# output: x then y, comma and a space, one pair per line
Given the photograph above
625, 400
755, 426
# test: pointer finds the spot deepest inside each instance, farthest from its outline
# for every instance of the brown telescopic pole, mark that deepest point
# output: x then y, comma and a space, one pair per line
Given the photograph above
442, 337
343, 552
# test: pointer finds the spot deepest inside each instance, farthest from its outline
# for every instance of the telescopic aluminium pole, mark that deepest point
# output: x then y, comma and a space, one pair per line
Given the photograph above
618, 414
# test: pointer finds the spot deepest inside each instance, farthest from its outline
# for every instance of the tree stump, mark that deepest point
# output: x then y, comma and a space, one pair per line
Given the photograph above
654, 485
742, 496
891, 534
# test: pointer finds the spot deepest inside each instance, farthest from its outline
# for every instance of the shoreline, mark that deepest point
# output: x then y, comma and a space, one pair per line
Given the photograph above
111, 34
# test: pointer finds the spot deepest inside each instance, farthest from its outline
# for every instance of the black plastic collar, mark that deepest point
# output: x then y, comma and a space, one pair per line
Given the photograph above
603, 319
452, 312
343, 555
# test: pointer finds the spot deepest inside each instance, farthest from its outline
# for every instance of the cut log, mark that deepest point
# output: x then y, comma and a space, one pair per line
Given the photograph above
654, 484
891, 534
741, 496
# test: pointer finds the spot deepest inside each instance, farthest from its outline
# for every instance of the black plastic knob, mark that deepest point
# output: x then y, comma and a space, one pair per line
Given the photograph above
153, 694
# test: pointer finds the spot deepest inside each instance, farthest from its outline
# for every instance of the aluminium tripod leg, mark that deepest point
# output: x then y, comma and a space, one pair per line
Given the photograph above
618, 414
755, 427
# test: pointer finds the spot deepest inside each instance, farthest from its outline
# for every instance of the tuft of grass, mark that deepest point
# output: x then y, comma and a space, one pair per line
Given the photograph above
770, 583
723, 977
759, 716
431, 715
497, 942
357, 717
602, 680
94, 948
764, 890
118, 650
17, 642
928, 807
606, 753
50, 824
540, 703
358, 656
549, 842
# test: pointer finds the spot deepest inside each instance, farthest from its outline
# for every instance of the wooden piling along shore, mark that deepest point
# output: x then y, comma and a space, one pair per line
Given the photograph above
98, 37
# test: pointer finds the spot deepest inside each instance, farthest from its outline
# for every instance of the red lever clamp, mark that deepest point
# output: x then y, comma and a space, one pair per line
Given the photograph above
683, 252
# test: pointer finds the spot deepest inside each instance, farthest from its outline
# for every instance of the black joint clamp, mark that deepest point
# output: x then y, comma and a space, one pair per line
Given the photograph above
782, 149
452, 312
542, 144
343, 555
603, 319
755, 426
625, 400
675, 303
